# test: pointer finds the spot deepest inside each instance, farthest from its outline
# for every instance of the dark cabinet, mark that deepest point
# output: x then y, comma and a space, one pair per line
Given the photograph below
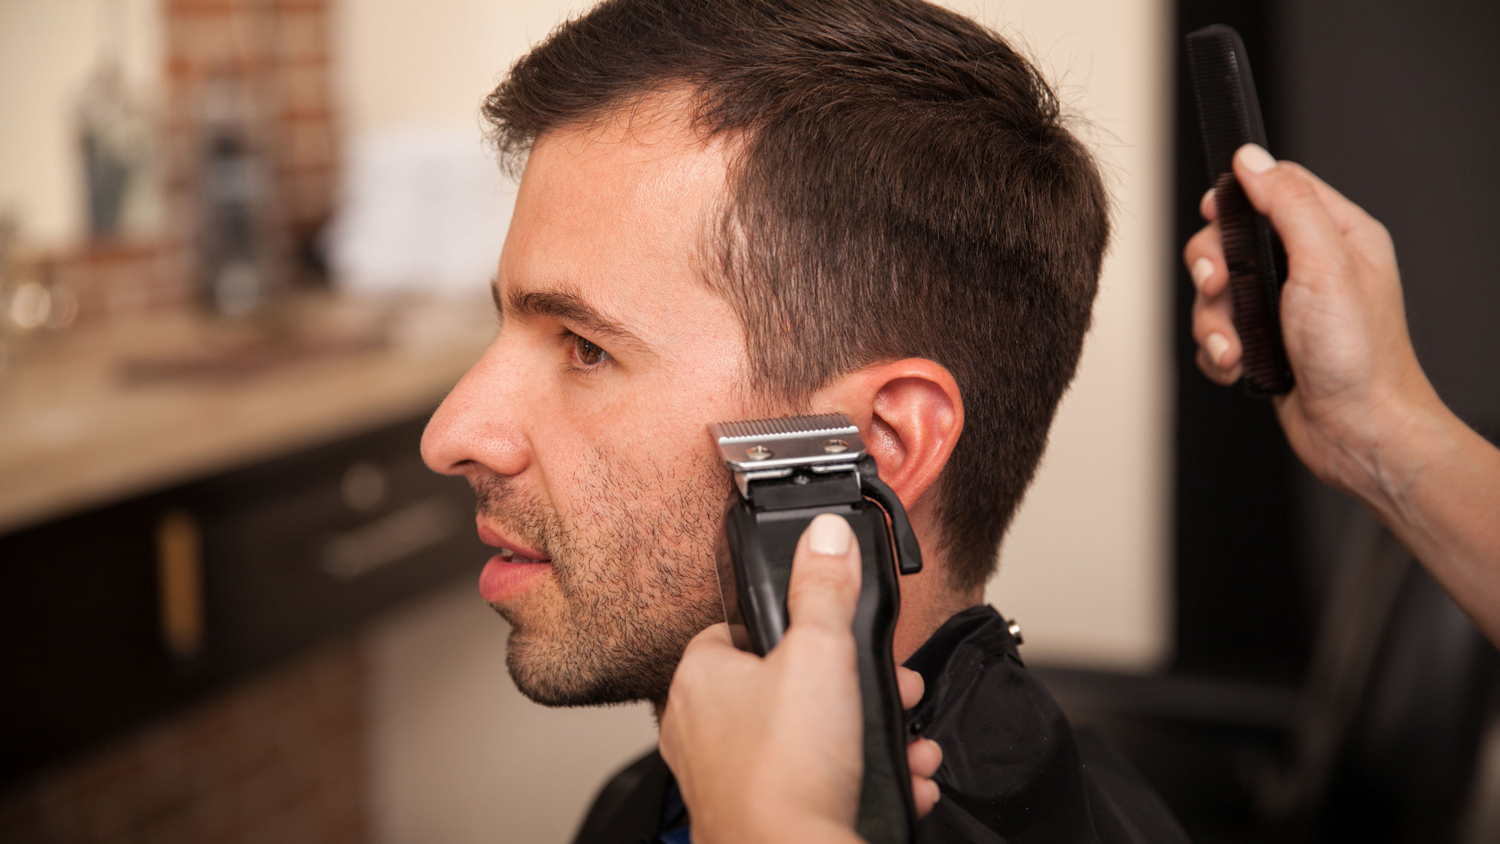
113, 617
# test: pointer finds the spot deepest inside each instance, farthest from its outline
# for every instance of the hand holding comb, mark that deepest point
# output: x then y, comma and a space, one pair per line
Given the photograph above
1229, 117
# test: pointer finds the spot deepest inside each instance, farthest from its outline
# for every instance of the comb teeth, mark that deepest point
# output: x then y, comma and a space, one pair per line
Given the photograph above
1229, 117
1254, 290
784, 426
1224, 118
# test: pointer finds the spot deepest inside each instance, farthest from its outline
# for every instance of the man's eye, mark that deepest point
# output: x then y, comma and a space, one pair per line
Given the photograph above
588, 353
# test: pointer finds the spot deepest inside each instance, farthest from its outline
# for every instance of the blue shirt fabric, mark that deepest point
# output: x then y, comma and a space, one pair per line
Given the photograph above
674, 817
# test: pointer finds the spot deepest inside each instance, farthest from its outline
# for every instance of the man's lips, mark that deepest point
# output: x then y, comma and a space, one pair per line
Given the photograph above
503, 579
509, 572
491, 537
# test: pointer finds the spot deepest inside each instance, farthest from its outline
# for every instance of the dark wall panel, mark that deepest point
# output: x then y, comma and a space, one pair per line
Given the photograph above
1398, 105
1240, 611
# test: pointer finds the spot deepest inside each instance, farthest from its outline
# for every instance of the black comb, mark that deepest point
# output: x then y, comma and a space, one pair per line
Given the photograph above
1229, 117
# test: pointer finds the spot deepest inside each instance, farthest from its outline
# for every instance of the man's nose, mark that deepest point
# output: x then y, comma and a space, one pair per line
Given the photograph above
476, 430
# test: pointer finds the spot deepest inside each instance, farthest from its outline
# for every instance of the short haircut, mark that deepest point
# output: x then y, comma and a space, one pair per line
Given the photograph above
903, 185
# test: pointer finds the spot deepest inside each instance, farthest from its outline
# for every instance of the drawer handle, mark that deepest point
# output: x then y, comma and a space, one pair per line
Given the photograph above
389, 538
179, 577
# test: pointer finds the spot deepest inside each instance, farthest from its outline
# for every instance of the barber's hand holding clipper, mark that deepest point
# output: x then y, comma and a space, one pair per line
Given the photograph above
1363, 416
770, 748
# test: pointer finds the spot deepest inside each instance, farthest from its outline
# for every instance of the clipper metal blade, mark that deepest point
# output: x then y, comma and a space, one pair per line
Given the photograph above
759, 449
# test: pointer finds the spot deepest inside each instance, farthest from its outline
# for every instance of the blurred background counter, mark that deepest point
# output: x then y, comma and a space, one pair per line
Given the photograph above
188, 502
118, 410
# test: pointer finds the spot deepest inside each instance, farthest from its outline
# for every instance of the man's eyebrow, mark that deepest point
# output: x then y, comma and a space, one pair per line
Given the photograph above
567, 307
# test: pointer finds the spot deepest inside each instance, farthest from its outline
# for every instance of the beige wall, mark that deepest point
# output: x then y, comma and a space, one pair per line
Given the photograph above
48, 49
1086, 567
458, 755
407, 62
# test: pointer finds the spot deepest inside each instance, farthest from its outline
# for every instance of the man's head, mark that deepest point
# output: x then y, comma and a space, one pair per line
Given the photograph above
759, 207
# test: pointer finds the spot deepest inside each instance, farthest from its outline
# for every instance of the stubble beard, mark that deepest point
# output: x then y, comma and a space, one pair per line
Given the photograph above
633, 567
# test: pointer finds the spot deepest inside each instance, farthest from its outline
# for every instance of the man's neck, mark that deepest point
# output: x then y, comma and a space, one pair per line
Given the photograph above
927, 602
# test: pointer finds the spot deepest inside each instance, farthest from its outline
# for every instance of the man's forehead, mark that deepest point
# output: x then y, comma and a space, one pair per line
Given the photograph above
616, 213
645, 155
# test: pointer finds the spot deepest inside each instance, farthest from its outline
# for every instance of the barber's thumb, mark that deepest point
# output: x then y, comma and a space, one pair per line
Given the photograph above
825, 575
1289, 197
1253, 157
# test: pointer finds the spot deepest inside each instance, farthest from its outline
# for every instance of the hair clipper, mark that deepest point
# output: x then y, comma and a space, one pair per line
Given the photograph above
788, 471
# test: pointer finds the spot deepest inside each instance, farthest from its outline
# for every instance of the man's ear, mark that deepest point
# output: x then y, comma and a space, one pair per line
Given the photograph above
909, 413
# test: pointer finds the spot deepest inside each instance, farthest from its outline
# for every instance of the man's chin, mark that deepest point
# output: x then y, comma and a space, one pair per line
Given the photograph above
546, 674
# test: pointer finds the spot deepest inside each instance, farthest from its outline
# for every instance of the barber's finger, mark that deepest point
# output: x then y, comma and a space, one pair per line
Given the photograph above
1224, 377
1343, 211
713, 638
911, 685
1208, 207
926, 794
1268, 182
1290, 197
1218, 342
824, 590
1204, 258
706, 659
1219, 348
1219, 358
924, 757
1356, 224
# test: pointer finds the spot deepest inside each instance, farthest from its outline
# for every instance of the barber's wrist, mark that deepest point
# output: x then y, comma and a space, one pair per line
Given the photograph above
815, 830
1384, 452
780, 825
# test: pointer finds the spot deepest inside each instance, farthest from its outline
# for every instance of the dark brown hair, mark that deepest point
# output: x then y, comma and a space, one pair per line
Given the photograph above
904, 186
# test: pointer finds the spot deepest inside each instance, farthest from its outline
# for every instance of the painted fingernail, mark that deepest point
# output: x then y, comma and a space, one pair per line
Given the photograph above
1216, 346
1256, 158
829, 535
1202, 269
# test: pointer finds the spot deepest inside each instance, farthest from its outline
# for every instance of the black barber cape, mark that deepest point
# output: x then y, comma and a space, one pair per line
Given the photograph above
1013, 769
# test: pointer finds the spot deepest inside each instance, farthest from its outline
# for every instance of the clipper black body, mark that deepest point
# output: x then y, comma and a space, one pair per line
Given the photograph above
788, 471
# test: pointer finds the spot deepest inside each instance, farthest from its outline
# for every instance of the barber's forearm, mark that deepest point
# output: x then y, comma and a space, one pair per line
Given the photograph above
1436, 484
813, 830
819, 831
834, 836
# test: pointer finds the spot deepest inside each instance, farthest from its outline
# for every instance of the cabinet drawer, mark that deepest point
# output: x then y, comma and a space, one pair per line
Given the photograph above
116, 616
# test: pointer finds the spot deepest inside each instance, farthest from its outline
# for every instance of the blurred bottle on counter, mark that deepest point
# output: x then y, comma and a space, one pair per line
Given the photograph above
115, 137
234, 179
117, 143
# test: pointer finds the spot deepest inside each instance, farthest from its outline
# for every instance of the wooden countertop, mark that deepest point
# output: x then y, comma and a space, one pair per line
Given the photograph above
105, 413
